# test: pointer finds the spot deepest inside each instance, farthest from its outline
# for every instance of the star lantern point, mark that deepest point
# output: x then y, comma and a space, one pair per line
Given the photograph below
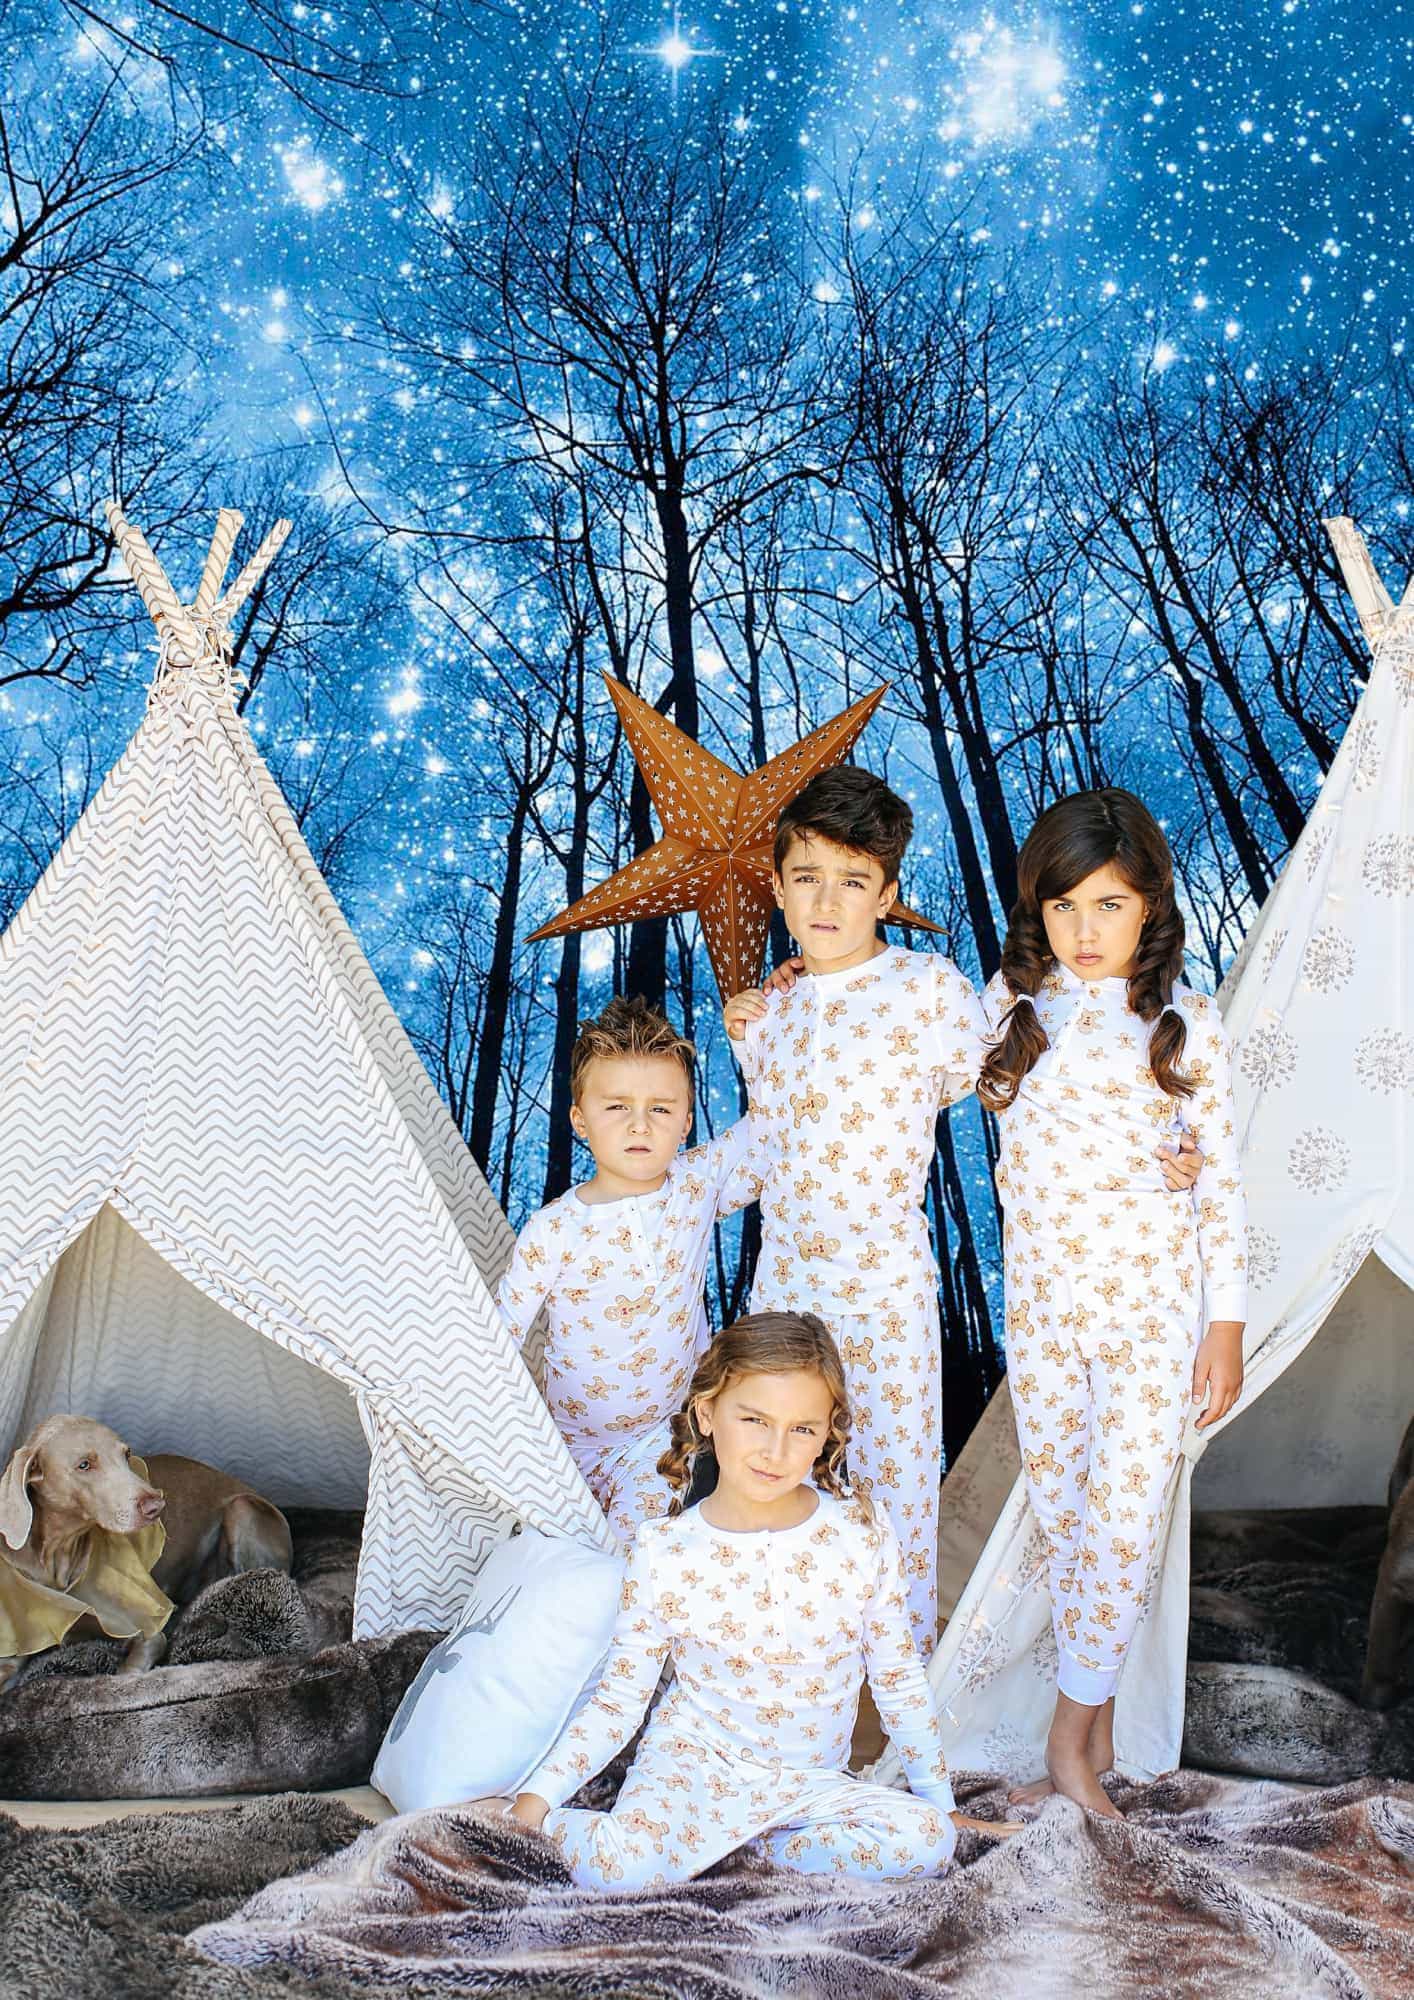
719, 826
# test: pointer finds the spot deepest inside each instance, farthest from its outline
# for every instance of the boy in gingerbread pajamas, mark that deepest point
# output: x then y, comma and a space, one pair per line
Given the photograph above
848, 1071
619, 1263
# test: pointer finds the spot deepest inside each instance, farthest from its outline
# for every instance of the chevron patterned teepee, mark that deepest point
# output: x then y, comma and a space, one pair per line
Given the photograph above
236, 1220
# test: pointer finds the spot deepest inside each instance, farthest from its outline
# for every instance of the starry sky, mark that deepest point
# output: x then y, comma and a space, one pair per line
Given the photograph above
1184, 178
1234, 171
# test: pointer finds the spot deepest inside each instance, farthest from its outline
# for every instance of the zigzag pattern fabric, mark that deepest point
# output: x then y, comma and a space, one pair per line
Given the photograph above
118, 1318
191, 1037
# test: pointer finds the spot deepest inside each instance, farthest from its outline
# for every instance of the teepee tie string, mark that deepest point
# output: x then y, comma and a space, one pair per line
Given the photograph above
193, 642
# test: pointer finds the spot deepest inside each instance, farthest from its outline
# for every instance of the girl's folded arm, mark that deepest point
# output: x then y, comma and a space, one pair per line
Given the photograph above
617, 1706
898, 1679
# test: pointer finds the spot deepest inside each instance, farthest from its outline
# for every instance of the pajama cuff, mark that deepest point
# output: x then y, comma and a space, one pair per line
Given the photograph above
937, 1794
1089, 1685
550, 1786
1226, 1302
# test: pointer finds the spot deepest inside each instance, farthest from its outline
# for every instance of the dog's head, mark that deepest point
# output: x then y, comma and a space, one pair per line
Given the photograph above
77, 1473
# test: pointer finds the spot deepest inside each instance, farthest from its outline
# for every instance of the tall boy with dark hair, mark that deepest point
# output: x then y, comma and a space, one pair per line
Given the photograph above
848, 1071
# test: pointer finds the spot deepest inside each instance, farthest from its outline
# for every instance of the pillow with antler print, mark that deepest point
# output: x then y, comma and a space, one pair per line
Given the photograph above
494, 1695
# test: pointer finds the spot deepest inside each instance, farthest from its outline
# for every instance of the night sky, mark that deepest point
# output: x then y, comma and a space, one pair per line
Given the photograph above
1188, 181
1232, 170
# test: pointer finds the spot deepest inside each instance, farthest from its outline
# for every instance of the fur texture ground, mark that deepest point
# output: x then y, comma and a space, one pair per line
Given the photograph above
1207, 1887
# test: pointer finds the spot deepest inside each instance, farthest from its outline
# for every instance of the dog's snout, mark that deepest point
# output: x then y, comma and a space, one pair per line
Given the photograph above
150, 1505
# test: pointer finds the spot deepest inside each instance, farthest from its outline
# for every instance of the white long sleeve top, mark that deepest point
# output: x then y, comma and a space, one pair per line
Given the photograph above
622, 1285
1082, 1134
847, 1073
771, 1635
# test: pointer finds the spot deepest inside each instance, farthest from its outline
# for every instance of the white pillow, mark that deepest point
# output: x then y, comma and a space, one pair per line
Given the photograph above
492, 1698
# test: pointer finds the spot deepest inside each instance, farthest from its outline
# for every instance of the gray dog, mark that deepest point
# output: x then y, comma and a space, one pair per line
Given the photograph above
1389, 1655
79, 1530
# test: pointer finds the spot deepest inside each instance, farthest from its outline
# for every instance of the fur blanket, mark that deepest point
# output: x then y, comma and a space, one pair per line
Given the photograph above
1207, 1886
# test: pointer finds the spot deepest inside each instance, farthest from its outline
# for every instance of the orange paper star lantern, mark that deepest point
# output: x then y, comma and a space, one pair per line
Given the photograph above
718, 828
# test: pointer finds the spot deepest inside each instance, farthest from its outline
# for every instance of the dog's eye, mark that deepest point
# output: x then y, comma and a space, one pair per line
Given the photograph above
84, 1465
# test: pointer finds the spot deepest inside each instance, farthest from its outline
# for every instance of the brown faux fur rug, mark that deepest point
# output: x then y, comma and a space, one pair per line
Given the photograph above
1208, 1886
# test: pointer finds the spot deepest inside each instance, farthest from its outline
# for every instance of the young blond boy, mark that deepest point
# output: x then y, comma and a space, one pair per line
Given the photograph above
619, 1263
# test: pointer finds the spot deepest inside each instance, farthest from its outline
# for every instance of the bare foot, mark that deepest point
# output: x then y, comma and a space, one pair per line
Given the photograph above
1071, 1775
1032, 1794
1101, 1754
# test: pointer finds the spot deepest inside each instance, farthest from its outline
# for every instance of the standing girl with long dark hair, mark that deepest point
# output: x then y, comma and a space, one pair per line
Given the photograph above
1121, 1304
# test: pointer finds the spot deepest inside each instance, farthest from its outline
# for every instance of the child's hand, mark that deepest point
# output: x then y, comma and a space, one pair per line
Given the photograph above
530, 1810
997, 1826
1217, 1370
741, 1008
785, 975
1181, 1168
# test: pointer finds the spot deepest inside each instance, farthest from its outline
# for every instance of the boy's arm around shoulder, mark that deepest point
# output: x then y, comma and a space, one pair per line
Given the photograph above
731, 1164
960, 1030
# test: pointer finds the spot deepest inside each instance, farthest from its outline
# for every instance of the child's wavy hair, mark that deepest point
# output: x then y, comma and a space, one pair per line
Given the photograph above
764, 1343
1070, 840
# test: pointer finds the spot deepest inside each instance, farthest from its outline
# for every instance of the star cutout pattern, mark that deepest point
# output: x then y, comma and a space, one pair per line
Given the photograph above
718, 828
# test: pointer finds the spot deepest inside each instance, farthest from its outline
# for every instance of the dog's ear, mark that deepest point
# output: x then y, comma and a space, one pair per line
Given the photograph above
16, 1513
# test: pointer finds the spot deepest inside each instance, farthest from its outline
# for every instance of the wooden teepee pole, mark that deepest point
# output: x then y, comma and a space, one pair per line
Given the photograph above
167, 611
228, 526
1372, 601
245, 583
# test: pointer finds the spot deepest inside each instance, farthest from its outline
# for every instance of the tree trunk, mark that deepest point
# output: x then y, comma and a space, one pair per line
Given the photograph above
486, 1088
975, 887
970, 1366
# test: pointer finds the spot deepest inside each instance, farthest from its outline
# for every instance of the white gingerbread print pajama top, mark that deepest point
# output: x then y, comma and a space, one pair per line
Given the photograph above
622, 1285
848, 1072
1110, 1283
770, 1635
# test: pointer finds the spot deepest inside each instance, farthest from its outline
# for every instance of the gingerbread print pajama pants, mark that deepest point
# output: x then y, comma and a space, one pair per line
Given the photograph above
626, 1482
893, 1371
1102, 1329
670, 1824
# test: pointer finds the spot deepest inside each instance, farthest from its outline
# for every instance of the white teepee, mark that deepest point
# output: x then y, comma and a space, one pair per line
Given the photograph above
236, 1220
1320, 1008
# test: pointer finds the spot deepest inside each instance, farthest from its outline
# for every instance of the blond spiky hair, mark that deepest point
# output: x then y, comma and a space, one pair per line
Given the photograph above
628, 1028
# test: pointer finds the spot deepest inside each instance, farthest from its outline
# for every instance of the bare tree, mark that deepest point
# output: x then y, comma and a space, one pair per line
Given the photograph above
329, 58
956, 372
1283, 448
618, 305
1155, 545
91, 347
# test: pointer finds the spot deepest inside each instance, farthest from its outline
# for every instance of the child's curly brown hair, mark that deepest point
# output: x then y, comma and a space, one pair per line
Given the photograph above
764, 1343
